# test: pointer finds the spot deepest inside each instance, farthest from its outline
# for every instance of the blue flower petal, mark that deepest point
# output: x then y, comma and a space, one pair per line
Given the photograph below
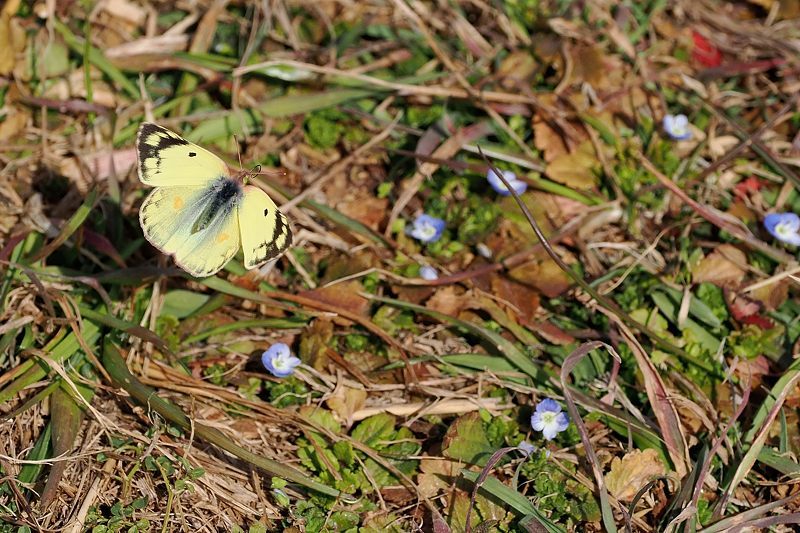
279, 361
677, 127
548, 405
426, 228
784, 226
549, 419
500, 188
428, 273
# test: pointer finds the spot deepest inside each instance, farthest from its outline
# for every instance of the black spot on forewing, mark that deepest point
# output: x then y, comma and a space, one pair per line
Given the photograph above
152, 139
192, 154
266, 212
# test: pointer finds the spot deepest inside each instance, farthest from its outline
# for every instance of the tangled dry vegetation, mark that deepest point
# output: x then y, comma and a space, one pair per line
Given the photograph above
631, 279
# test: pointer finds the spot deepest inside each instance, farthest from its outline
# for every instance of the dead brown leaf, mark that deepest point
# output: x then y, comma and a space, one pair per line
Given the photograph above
632, 472
345, 401
314, 343
524, 299
13, 123
516, 68
721, 267
576, 170
548, 139
366, 208
437, 475
545, 275
772, 296
447, 300
12, 37
345, 295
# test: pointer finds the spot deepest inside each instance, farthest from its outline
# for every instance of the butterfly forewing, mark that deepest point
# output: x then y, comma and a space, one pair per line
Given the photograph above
168, 160
265, 231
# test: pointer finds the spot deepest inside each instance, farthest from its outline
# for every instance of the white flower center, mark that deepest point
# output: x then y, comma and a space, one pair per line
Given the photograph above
679, 129
549, 418
784, 230
281, 362
426, 230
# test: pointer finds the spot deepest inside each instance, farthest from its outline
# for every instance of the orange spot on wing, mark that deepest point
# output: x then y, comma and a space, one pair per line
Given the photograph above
177, 203
222, 237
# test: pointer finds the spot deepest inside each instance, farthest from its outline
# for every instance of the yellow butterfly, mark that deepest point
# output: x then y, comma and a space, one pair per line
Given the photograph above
198, 212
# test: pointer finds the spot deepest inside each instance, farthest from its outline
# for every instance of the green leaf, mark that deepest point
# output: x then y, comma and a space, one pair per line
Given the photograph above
697, 307
700, 334
180, 303
466, 440
375, 429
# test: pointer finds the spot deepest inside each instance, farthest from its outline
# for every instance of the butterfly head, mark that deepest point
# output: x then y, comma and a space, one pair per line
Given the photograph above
243, 176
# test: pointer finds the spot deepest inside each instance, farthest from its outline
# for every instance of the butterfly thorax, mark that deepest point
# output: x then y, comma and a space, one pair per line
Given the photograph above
225, 193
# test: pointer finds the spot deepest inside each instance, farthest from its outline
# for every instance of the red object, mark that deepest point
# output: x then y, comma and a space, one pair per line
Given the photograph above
746, 310
746, 186
704, 52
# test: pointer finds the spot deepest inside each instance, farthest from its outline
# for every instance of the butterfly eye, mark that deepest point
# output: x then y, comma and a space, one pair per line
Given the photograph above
192, 154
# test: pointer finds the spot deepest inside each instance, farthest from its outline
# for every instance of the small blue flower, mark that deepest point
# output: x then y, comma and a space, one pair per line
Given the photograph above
677, 127
526, 448
426, 228
784, 226
549, 419
497, 184
279, 361
428, 273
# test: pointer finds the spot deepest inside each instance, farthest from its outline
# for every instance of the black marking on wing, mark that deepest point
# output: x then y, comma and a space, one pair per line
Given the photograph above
192, 154
266, 211
278, 242
166, 139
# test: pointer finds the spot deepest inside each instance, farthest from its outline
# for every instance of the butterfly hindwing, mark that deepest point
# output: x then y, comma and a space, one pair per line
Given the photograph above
168, 160
265, 230
198, 226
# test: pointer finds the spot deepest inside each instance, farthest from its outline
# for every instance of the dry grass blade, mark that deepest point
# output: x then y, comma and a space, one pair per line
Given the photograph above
566, 369
661, 403
147, 396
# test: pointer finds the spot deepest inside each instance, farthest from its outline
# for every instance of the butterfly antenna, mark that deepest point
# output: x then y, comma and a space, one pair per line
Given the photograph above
238, 152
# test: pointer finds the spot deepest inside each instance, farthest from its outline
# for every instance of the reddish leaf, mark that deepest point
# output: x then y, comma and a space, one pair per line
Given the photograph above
101, 243
750, 185
746, 310
704, 52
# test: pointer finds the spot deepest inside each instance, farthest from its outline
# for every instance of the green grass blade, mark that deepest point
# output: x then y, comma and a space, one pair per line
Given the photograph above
518, 502
72, 225
276, 323
247, 121
36, 369
97, 59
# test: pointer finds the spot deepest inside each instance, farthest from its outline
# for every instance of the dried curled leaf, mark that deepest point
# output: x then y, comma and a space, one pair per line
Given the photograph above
721, 267
632, 472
